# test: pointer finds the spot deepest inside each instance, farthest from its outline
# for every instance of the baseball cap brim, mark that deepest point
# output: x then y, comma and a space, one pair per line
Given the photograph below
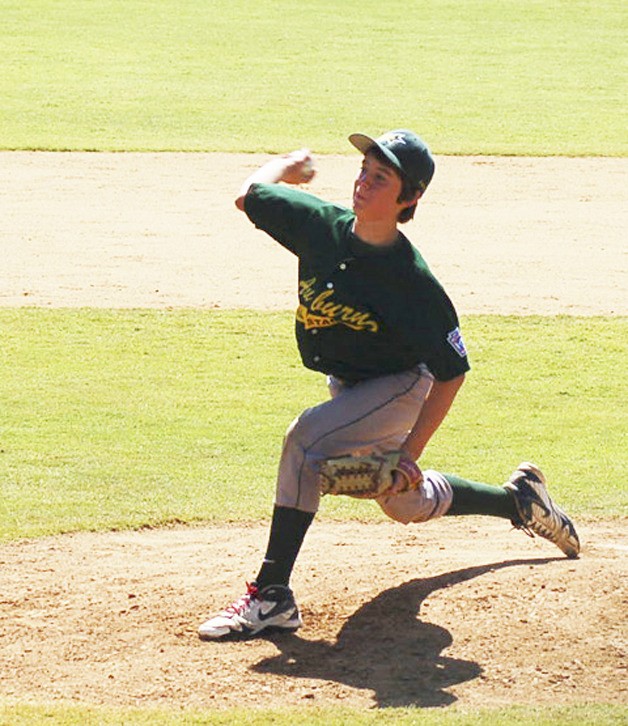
365, 143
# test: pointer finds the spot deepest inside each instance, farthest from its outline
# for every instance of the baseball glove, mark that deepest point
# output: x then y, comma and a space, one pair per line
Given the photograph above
371, 476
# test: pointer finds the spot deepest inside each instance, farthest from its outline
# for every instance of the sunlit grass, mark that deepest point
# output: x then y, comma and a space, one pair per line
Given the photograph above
118, 419
473, 77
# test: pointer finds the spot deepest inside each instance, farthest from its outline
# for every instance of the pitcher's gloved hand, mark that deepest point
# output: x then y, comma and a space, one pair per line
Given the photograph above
371, 476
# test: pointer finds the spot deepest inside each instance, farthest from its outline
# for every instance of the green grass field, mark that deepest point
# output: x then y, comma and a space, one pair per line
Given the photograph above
473, 77
117, 419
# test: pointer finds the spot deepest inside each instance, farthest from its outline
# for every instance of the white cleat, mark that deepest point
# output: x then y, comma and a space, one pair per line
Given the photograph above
270, 609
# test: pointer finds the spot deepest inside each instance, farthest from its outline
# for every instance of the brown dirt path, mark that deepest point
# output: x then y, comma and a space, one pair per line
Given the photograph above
463, 610
504, 235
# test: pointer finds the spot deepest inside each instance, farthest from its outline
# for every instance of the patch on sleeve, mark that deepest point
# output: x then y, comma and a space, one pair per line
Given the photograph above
454, 338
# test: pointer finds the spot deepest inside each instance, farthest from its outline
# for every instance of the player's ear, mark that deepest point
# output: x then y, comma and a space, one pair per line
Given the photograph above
407, 203
416, 197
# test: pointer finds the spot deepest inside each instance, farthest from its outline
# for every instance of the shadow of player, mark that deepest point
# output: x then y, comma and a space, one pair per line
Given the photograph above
385, 647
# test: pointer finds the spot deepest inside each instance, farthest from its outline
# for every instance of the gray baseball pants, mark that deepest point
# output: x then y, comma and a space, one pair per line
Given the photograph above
369, 417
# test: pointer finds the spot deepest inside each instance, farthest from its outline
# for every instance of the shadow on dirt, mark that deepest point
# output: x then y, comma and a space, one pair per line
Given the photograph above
385, 647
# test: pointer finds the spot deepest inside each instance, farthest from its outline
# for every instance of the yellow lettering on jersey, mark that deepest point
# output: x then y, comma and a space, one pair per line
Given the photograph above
321, 311
306, 289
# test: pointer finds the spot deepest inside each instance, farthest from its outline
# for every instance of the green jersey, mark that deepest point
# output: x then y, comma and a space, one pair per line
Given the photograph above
364, 311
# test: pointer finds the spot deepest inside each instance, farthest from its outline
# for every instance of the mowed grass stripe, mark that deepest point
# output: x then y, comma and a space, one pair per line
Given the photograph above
117, 419
479, 77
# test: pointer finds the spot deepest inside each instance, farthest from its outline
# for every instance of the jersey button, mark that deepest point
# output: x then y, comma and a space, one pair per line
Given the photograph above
316, 358
330, 285
314, 331
343, 265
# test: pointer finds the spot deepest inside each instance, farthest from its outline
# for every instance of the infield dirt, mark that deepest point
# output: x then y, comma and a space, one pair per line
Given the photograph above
462, 610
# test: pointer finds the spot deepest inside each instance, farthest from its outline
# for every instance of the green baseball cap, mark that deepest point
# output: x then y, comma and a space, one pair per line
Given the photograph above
405, 151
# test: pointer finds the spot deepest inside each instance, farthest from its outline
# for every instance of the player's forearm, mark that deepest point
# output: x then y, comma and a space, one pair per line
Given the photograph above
294, 168
270, 173
435, 408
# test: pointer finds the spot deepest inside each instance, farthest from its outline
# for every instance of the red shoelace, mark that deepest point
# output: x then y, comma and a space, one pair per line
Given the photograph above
241, 603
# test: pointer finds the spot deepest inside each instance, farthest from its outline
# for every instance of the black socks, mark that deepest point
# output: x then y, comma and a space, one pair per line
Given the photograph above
287, 532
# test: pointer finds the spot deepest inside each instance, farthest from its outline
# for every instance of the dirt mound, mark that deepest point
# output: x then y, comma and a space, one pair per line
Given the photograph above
455, 610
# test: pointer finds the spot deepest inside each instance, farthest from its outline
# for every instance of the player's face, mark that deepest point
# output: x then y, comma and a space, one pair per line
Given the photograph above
376, 191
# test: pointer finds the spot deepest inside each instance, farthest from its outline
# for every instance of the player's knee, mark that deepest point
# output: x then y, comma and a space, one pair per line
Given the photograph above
430, 501
298, 431
394, 508
401, 518
293, 439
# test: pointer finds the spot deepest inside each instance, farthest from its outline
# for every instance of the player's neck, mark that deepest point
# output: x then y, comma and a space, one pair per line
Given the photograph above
379, 233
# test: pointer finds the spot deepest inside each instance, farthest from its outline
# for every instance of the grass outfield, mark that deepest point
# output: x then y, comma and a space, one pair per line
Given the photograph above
473, 77
118, 419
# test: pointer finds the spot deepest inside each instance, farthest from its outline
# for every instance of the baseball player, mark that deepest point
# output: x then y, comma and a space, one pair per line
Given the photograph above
374, 319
